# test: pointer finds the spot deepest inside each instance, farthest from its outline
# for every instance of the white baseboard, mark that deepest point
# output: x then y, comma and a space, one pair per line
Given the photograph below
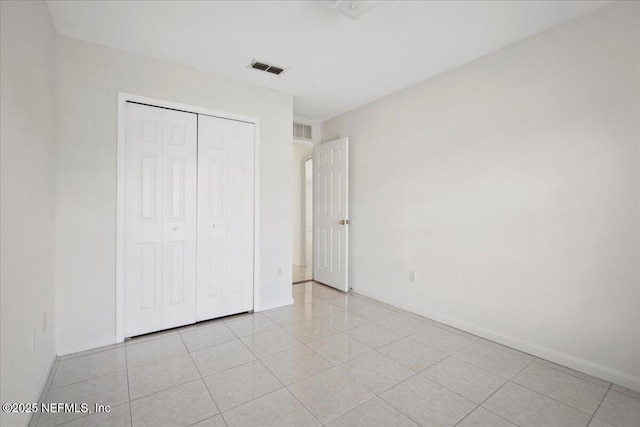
590, 368
63, 350
277, 305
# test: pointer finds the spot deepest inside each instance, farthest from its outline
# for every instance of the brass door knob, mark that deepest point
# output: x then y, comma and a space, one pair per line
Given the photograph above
343, 221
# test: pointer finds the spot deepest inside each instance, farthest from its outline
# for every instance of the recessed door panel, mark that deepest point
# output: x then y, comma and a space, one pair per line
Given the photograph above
336, 249
175, 278
237, 258
147, 183
321, 248
176, 189
336, 155
322, 193
215, 191
147, 275
215, 268
177, 133
148, 129
239, 141
237, 195
213, 138
335, 197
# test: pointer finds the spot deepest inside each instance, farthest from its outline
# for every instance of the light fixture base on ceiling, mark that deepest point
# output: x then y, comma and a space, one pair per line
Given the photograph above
351, 8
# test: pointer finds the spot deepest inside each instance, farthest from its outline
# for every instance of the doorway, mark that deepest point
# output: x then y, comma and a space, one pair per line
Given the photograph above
304, 271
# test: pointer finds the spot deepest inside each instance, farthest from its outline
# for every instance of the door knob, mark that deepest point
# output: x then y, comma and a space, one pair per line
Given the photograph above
175, 228
213, 226
343, 221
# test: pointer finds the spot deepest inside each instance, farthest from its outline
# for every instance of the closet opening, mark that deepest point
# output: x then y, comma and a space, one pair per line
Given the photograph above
187, 215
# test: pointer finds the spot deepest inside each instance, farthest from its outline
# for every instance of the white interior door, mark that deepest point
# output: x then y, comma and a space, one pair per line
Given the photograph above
331, 213
160, 219
225, 216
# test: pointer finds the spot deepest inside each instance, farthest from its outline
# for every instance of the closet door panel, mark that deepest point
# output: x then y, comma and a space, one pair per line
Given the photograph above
143, 220
241, 215
160, 219
179, 218
225, 204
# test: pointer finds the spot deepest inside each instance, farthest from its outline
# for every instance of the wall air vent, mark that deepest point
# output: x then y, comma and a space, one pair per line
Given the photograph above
257, 65
302, 131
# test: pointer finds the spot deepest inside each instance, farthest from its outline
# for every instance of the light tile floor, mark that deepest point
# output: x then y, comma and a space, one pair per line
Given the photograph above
301, 273
331, 359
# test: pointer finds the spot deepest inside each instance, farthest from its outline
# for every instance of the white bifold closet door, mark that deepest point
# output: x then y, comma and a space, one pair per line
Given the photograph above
225, 216
160, 219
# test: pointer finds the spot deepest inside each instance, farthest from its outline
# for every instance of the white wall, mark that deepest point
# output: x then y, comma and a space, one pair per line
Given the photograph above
27, 207
88, 80
300, 152
511, 185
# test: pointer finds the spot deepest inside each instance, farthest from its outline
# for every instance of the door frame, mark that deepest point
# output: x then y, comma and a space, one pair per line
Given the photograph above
123, 98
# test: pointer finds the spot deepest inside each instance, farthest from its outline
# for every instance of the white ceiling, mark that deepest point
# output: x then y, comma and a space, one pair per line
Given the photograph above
333, 63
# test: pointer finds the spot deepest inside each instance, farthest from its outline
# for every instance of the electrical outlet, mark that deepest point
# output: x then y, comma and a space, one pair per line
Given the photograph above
44, 322
412, 275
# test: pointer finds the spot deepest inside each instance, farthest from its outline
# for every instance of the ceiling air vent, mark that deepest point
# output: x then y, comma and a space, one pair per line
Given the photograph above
302, 131
274, 70
257, 65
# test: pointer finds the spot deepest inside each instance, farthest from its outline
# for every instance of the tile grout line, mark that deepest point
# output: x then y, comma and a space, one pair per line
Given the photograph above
257, 359
598, 407
570, 373
168, 388
495, 391
47, 388
420, 373
309, 410
635, 396
262, 395
89, 352
486, 370
395, 407
372, 391
454, 354
286, 387
541, 394
283, 385
554, 399
86, 379
202, 380
126, 365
